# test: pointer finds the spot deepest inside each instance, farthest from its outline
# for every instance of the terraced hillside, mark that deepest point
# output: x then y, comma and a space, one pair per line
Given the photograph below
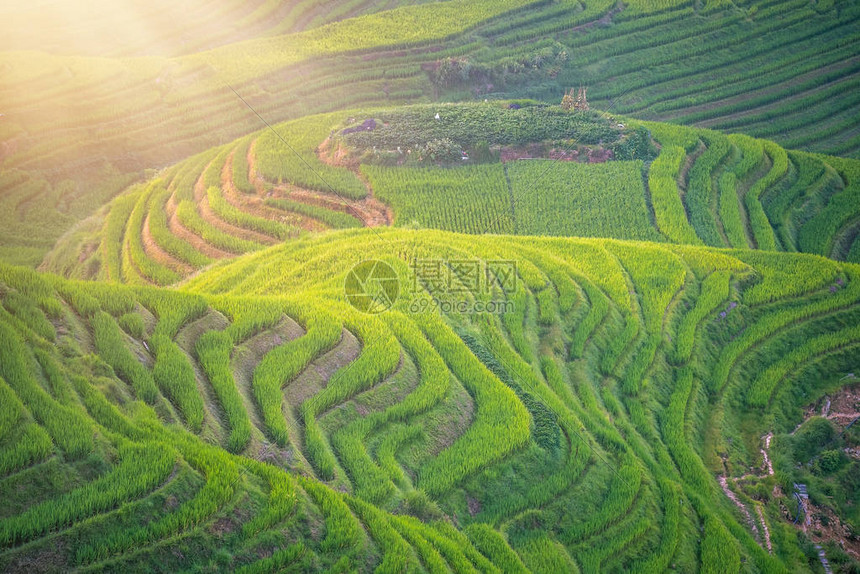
305, 176
779, 69
741, 192
339, 286
90, 28
611, 420
702, 188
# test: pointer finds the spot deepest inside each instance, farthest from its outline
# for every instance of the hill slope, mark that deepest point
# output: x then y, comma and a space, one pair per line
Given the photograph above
610, 420
125, 29
785, 70
694, 187
486, 336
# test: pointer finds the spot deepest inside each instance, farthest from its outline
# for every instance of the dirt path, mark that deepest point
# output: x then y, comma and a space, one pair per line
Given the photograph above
823, 559
822, 524
248, 355
187, 337
764, 528
764, 452
724, 484
245, 359
377, 212
255, 180
314, 378
370, 211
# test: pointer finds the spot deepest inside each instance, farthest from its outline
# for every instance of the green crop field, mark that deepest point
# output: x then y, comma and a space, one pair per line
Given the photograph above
695, 187
430, 286
73, 119
287, 428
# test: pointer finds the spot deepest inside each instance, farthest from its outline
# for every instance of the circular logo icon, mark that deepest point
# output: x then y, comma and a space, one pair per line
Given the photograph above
372, 287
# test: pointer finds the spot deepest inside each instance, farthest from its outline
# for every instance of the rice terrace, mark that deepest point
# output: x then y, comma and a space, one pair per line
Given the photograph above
497, 286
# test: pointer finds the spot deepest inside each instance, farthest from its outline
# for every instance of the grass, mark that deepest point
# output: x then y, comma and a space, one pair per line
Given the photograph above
787, 58
701, 187
587, 429
490, 396
571, 199
406, 26
472, 199
668, 208
334, 219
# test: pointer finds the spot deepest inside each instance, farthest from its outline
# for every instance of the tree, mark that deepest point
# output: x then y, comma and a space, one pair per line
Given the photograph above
579, 102
567, 101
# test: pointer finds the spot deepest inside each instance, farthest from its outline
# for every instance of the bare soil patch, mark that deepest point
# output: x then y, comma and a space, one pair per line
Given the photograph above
212, 218
197, 242
157, 254
254, 204
316, 375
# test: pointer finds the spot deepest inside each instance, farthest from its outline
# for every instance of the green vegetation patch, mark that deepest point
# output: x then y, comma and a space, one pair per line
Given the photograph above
583, 200
470, 199
495, 123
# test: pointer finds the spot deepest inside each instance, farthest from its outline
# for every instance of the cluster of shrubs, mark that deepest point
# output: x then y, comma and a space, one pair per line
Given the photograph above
542, 63
451, 134
495, 123
637, 145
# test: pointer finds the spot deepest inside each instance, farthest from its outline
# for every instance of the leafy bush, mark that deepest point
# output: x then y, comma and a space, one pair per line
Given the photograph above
441, 151
636, 146
811, 437
830, 461
477, 123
